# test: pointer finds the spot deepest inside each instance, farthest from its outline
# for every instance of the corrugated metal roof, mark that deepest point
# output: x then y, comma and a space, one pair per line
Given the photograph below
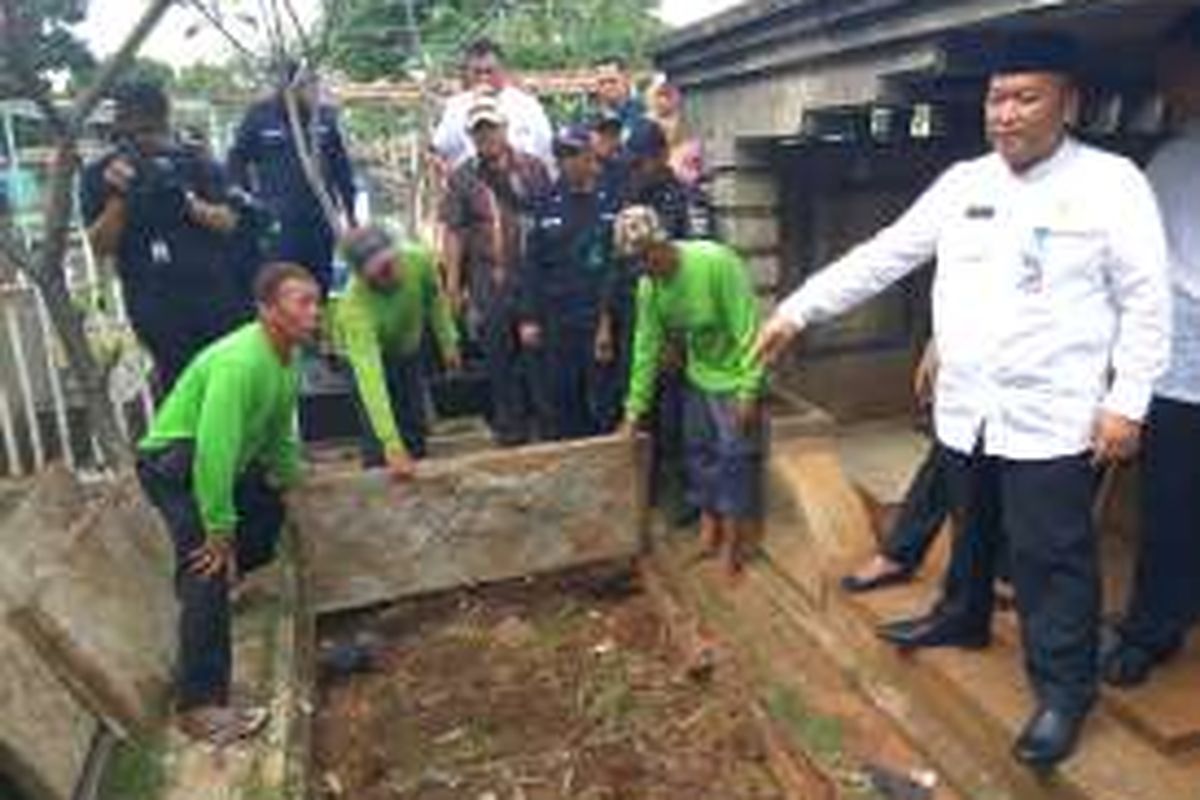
765, 35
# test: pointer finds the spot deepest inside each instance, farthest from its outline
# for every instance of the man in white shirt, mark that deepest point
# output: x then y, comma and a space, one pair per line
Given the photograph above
1051, 318
1166, 600
529, 128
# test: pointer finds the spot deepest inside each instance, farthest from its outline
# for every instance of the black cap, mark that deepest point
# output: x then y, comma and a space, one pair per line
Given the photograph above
572, 140
647, 140
1036, 52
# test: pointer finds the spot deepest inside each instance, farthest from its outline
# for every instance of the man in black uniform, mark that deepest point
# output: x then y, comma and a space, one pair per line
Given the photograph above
608, 145
567, 262
160, 210
264, 160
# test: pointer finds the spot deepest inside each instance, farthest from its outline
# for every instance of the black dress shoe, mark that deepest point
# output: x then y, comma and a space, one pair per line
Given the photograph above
1048, 738
853, 584
1127, 664
935, 630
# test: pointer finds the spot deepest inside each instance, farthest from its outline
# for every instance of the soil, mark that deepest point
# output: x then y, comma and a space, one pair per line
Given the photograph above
546, 690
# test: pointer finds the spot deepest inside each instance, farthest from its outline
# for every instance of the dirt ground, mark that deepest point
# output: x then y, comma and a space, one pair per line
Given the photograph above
537, 692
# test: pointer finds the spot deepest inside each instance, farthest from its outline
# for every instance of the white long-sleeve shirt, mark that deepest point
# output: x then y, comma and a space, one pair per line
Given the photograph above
1174, 172
528, 126
1048, 283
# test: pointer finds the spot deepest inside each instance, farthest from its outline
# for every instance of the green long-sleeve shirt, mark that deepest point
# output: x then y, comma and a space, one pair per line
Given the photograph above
372, 325
236, 403
709, 302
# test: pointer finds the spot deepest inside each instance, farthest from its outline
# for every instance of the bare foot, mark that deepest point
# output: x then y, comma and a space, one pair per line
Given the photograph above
732, 560
711, 539
711, 533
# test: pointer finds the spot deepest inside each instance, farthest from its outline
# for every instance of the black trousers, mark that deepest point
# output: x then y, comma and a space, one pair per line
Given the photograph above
925, 510
1165, 599
571, 380
519, 404
405, 382
205, 648
669, 489
310, 244
174, 337
1042, 511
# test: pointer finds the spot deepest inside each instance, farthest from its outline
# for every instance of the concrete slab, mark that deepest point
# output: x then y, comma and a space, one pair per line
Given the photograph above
90, 588
45, 732
474, 519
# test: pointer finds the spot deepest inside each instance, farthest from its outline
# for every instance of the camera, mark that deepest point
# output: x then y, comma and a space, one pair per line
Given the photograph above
157, 197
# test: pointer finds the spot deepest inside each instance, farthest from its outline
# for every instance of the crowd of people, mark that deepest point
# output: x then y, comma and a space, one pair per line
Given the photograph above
580, 264
227, 269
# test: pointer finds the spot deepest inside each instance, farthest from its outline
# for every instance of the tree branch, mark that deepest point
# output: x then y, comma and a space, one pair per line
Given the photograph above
301, 34
29, 83
215, 20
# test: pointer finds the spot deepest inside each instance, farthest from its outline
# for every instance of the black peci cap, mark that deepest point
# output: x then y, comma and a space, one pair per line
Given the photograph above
1035, 52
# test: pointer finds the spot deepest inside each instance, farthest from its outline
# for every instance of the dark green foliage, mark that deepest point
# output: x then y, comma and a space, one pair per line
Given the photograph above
372, 39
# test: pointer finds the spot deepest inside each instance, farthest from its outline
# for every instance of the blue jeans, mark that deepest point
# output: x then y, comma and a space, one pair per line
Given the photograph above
725, 465
205, 648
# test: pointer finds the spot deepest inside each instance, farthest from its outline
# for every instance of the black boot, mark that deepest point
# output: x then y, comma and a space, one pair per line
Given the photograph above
1049, 738
1127, 664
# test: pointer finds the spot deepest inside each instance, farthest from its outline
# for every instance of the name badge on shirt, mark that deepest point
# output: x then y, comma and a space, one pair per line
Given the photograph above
980, 212
1031, 278
160, 252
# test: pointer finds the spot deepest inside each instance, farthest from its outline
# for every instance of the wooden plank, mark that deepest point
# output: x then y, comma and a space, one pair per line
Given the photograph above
1166, 709
1112, 763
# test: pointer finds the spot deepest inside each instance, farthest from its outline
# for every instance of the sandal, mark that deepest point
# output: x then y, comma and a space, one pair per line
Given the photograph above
892, 575
223, 725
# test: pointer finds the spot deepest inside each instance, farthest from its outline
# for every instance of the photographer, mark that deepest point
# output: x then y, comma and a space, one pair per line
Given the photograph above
160, 211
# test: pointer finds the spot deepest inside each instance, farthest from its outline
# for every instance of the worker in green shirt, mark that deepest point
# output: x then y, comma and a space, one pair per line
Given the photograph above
393, 297
220, 450
700, 291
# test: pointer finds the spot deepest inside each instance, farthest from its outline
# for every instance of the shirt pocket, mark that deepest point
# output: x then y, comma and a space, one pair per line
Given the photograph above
1065, 257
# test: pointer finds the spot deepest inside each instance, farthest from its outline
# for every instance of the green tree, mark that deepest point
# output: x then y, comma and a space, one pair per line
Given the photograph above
213, 81
53, 47
152, 71
371, 39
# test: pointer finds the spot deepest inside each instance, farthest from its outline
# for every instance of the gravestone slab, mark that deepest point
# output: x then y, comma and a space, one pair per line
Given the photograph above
475, 519
45, 732
89, 586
